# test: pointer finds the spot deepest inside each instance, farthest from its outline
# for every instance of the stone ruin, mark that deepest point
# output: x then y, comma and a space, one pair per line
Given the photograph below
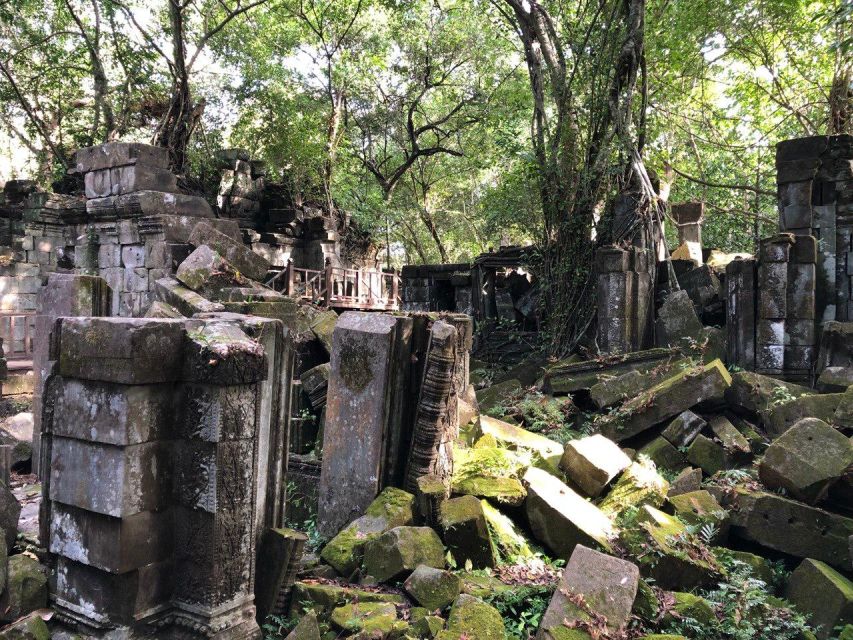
183, 427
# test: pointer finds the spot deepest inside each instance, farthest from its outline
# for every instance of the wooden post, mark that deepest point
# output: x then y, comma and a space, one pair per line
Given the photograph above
330, 284
289, 276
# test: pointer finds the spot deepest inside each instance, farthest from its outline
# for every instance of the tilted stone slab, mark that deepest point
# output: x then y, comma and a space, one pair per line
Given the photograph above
820, 591
187, 301
677, 321
244, 259
356, 417
667, 399
204, 270
122, 350
571, 377
806, 460
560, 518
628, 385
606, 584
781, 417
792, 527
592, 462
683, 429
753, 393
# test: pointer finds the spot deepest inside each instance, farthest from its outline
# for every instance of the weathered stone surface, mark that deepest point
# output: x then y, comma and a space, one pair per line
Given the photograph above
160, 309
433, 588
560, 518
123, 350
391, 508
219, 352
690, 479
466, 532
507, 539
835, 379
31, 627
148, 203
306, 629
683, 429
639, 485
473, 619
570, 376
606, 584
843, 416
663, 454
592, 462
244, 260
626, 386
819, 590
488, 471
677, 321
356, 417
206, 271
368, 617
667, 399
494, 395
688, 605
708, 455
514, 437
171, 292
732, 440
400, 551
778, 419
10, 511
116, 154
26, 588
806, 460
280, 550
701, 508
792, 527
754, 393
325, 597
323, 327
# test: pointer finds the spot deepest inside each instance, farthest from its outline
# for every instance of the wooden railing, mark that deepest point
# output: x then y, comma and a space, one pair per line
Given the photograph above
337, 287
17, 328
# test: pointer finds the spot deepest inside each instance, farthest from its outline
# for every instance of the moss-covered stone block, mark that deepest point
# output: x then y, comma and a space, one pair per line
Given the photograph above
546, 451
690, 606
427, 627
433, 588
639, 485
591, 463
701, 508
752, 393
392, 508
472, 619
664, 455
372, 617
26, 588
306, 629
401, 550
821, 591
490, 472
497, 394
709, 455
466, 532
689, 479
322, 598
781, 417
508, 540
646, 604
31, 627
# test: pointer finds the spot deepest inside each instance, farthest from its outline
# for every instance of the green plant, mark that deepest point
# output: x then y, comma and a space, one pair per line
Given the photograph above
522, 609
277, 627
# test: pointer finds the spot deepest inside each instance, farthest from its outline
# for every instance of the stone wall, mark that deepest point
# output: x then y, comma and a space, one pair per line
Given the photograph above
166, 464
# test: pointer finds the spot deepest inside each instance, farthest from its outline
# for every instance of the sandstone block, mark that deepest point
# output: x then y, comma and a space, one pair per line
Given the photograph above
592, 462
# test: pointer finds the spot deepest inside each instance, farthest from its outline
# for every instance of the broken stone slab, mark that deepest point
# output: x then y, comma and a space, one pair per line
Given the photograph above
116, 154
325, 597
806, 460
433, 588
560, 518
732, 440
781, 417
690, 479
466, 532
592, 463
219, 352
306, 629
159, 309
322, 326
663, 454
205, 271
572, 376
683, 429
666, 400
400, 551
639, 485
700, 508
489, 471
628, 385
753, 393
792, 527
123, 350
843, 416
391, 508
515, 437
246, 261
605, 585
281, 550
365, 619
31, 627
825, 595
677, 322
508, 540
835, 379
186, 301
473, 619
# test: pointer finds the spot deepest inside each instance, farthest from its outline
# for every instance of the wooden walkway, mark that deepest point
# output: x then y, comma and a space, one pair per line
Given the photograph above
363, 289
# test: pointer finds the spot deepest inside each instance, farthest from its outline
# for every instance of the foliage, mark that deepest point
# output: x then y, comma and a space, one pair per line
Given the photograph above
522, 608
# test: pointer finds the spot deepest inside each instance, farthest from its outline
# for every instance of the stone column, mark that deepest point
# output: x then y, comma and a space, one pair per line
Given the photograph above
772, 303
688, 219
800, 327
64, 295
615, 284
741, 313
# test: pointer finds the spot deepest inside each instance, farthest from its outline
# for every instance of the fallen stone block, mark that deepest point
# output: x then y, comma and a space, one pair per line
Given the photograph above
835, 379
186, 301
306, 629
26, 588
159, 309
207, 272
488, 472
792, 527
663, 454
844, 412
677, 322
433, 588
708, 455
514, 437
666, 400
836, 345
605, 585
322, 327
683, 429
560, 518
246, 261
806, 460
701, 508
753, 393
572, 376
466, 532
494, 395
778, 419
326, 597
732, 440
472, 619
592, 463
690, 479
639, 485
628, 385
688, 605
817, 589
369, 618
391, 508
280, 550
508, 541
667, 553
400, 550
